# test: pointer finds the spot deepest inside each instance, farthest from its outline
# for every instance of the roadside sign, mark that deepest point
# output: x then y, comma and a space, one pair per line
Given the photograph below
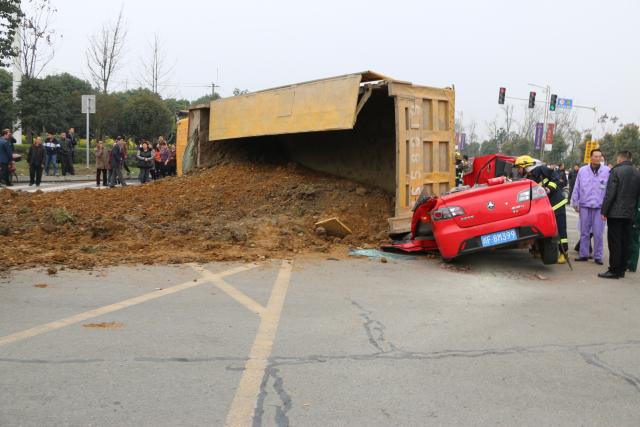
88, 107
538, 138
549, 137
88, 104
564, 103
589, 145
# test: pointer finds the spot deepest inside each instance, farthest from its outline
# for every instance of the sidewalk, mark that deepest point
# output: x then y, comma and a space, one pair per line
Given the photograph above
59, 178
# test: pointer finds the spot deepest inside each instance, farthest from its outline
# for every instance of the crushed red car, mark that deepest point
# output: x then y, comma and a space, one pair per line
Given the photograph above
490, 211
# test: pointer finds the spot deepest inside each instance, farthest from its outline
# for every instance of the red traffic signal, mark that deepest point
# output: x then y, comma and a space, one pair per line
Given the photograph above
501, 95
532, 99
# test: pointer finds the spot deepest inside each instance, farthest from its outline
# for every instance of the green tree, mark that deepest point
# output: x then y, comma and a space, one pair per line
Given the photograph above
7, 107
627, 138
176, 105
146, 115
70, 104
52, 104
10, 17
206, 99
472, 150
517, 146
558, 150
489, 147
38, 107
108, 118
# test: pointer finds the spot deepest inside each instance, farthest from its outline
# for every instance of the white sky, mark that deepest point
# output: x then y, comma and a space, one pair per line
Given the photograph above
587, 50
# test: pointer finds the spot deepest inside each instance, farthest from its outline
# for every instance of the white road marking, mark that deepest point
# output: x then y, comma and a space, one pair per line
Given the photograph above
237, 295
244, 402
52, 326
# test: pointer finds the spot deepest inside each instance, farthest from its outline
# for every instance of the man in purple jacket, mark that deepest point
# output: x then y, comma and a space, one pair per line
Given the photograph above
587, 197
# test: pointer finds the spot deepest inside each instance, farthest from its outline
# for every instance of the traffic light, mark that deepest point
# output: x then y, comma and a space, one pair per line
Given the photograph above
532, 99
501, 95
552, 102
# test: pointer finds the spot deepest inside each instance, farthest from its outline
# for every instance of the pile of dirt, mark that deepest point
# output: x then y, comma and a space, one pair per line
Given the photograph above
235, 211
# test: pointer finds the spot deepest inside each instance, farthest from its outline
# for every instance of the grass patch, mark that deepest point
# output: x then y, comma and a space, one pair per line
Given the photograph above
61, 216
24, 210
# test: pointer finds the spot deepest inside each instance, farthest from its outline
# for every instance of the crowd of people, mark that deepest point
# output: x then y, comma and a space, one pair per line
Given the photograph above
602, 195
155, 161
608, 195
60, 149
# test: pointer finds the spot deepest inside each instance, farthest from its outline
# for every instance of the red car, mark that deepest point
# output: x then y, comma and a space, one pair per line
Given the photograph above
495, 213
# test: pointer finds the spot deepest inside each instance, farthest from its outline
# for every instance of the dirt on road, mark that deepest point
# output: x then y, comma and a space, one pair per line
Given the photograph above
235, 211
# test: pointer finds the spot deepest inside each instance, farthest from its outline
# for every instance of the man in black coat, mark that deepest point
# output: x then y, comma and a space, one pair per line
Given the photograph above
618, 209
36, 157
66, 155
71, 136
573, 175
117, 160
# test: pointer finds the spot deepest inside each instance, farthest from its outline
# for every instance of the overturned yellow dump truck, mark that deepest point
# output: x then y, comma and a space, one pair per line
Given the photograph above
364, 126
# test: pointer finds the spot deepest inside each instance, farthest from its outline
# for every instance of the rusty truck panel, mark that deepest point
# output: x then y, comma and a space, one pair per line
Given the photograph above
182, 129
320, 105
425, 145
363, 126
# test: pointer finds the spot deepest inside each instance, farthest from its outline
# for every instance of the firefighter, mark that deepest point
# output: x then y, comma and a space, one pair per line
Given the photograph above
551, 181
459, 169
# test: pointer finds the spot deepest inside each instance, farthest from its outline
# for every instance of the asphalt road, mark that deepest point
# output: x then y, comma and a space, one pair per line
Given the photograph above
495, 339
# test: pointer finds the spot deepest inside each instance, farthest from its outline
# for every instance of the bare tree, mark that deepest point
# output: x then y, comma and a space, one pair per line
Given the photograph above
528, 123
566, 122
459, 122
105, 52
472, 136
36, 38
492, 128
155, 70
508, 124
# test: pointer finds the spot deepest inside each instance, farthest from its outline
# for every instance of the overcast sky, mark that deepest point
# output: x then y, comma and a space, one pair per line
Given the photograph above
587, 50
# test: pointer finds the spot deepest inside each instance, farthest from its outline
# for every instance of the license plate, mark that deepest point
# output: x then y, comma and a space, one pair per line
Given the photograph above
499, 238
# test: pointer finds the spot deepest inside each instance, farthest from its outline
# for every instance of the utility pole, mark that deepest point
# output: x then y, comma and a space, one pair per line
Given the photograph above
17, 81
547, 90
213, 90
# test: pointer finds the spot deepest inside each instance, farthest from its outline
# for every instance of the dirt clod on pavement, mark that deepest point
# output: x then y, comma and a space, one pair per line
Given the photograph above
104, 325
235, 211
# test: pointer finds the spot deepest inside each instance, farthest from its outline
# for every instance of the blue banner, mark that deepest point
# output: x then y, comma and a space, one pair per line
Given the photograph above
463, 141
538, 138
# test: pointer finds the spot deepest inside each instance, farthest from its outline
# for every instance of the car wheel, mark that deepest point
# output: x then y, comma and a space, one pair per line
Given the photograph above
548, 248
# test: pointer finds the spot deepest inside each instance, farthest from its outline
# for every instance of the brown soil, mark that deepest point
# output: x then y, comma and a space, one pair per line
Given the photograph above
236, 211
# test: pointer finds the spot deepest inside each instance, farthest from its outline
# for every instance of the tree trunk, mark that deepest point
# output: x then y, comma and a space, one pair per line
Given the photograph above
29, 134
